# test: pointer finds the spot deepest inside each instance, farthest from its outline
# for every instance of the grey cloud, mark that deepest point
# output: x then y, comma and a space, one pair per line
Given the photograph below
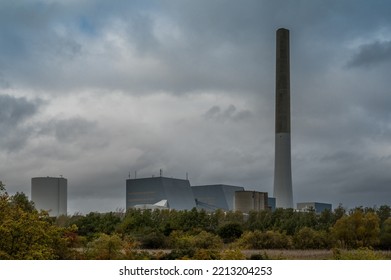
222, 45
14, 110
228, 114
3, 82
371, 54
71, 136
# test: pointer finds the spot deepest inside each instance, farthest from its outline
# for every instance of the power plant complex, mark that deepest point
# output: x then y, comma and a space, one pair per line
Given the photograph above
150, 193
168, 193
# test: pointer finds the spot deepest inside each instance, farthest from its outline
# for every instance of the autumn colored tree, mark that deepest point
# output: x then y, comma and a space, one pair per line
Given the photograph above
357, 230
105, 247
308, 238
25, 232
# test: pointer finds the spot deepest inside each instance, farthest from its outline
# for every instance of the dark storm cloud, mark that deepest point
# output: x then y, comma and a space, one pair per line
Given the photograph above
13, 112
372, 54
182, 46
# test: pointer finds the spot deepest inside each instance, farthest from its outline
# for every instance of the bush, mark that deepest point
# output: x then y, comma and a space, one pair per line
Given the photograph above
232, 255
105, 247
359, 254
264, 240
307, 238
202, 240
206, 254
179, 254
260, 256
230, 232
153, 240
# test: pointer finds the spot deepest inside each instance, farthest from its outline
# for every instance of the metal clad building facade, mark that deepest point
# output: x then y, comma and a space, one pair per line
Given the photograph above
246, 201
50, 194
151, 190
212, 197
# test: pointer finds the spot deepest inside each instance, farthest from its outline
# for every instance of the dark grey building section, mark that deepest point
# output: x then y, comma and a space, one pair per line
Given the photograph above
212, 197
177, 192
317, 206
271, 202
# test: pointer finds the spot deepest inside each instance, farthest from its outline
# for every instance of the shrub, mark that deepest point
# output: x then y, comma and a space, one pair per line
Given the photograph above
307, 238
232, 255
202, 240
206, 254
153, 240
230, 232
105, 247
264, 240
359, 254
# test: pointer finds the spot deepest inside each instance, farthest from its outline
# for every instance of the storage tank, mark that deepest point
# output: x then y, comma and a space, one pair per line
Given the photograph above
50, 194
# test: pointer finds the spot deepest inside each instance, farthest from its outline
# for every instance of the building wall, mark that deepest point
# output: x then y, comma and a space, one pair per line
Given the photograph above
212, 197
50, 194
317, 206
246, 201
151, 190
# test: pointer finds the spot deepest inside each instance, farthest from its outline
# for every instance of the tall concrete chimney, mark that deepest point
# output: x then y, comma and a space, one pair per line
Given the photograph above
282, 161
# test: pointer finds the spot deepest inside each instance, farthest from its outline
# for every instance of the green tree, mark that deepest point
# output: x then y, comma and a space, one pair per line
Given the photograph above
22, 201
325, 220
260, 220
230, 232
385, 235
136, 221
153, 240
95, 223
384, 212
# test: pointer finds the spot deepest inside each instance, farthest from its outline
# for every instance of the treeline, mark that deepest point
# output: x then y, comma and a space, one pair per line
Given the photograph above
195, 234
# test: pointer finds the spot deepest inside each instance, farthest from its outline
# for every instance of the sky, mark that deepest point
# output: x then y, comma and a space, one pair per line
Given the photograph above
98, 90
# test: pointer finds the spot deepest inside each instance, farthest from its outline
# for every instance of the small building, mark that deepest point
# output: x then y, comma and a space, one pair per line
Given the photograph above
212, 197
246, 201
149, 191
317, 206
50, 194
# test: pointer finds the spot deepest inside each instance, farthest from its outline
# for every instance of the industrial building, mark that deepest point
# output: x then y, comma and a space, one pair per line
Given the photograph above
50, 194
177, 192
317, 206
246, 201
212, 197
